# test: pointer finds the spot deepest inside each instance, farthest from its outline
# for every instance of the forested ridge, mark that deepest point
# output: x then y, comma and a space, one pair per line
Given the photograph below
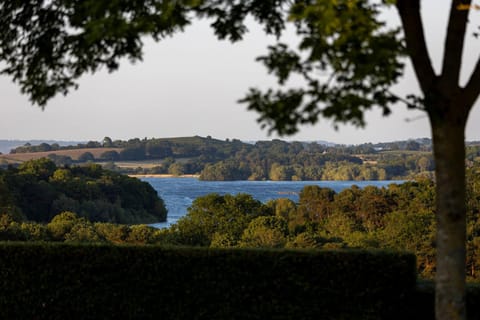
214, 159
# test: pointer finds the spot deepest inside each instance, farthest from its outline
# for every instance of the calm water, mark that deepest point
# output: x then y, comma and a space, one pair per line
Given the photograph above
178, 193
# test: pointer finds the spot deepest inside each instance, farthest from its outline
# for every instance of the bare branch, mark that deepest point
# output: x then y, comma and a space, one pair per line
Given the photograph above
409, 11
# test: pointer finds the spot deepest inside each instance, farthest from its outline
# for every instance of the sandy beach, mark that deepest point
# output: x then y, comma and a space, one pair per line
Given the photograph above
163, 176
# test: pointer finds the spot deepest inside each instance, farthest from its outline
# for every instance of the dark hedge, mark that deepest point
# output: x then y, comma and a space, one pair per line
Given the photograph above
59, 281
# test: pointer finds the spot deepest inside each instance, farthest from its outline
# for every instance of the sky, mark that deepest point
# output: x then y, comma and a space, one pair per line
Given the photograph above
189, 85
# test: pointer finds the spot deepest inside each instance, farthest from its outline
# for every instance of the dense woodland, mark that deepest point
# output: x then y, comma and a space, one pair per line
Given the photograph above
38, 190
399, 217
214, 159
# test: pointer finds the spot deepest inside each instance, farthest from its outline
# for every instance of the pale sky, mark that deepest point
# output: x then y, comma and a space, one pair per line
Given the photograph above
189, 84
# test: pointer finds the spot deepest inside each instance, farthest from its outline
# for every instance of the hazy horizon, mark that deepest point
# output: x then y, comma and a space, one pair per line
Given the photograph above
65, 141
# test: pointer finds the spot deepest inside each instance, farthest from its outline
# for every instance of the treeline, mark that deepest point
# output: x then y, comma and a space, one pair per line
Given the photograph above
185, 146
215, 159
147, 149
46, 147
38, 190
280, 160
69, 227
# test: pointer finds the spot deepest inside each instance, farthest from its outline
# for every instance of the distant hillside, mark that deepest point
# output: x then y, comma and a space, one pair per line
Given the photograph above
232, 159
7, 145
73, 154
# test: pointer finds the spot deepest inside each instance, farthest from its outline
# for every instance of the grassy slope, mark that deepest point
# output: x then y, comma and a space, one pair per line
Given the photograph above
73, 153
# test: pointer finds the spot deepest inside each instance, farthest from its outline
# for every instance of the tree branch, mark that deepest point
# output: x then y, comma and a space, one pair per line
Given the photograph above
452, 56
472, 89
409, 11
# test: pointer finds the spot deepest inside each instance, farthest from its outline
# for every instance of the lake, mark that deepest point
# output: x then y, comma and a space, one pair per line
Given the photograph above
179, 193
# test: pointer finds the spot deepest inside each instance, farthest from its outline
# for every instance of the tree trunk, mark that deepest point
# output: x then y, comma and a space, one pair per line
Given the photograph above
449, 150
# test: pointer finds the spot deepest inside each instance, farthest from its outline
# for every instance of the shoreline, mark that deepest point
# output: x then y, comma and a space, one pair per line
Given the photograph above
158, 175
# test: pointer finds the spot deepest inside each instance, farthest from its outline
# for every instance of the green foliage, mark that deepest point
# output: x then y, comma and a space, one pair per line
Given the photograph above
69, 227
112, 233
156, 148
314, 203
62, 224
82, 231
140, 234
35, 231
112, 282
110, 156
219, 160
227, 215
265, 232
177, 169
41, 169
412, 232
86, 157
279, 160
60, 160
8, 204
134, 152
39, 190
306, 240
346, 41
229, 170
9, 228
282, 207
46, 47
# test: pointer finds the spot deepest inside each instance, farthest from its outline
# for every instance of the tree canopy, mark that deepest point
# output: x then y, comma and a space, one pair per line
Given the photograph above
38, 190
